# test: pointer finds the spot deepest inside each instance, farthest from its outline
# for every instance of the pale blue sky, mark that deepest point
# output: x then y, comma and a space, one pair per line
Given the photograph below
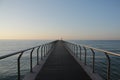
53, 19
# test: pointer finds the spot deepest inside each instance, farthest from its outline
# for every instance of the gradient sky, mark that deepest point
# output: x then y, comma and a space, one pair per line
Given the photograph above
53, 19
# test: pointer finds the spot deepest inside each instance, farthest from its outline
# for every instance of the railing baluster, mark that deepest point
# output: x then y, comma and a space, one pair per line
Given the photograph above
38, 55
93, 62
85, 55
42, 52
80, 51
47, 47
108, 66
73, 48
76, 50
18, 63
31, 60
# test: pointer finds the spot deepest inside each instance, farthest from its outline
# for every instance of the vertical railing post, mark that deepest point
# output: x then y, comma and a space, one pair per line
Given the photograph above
18, 65
108, 66
46, 49
93, 62
38, 55
76, 50
80, 51
48, 46
42, 52
31, 60
73, 48
85, 55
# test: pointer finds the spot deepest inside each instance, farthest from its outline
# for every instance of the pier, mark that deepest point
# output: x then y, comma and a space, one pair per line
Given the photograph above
61, 60
60, 65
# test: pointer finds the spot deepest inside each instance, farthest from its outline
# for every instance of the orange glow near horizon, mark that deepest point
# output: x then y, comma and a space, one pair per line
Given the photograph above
48, 20
54, 37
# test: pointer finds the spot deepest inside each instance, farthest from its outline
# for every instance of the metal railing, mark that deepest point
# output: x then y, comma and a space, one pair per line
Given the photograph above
45, 48
77, 49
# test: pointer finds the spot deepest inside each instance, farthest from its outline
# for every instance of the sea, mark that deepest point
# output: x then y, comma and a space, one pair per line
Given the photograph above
8, 66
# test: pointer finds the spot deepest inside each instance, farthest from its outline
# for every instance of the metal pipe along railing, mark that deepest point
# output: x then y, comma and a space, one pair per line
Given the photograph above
72, 46
45, 48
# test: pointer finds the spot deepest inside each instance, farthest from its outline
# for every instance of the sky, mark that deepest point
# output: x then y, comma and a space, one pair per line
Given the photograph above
56, 19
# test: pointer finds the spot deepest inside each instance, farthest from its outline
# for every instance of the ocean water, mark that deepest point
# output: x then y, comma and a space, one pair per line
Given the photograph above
8, 66
100, 58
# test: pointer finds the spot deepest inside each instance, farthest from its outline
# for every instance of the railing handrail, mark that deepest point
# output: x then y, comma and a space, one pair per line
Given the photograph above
101, 50
74, 47
15, 53
24, 50
45, 48
96, 49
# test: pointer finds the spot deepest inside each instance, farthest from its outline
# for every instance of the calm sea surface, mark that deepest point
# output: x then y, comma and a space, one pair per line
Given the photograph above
8, 66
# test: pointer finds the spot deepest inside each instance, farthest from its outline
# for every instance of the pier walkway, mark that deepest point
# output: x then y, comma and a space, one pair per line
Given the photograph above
61, 65
63, 60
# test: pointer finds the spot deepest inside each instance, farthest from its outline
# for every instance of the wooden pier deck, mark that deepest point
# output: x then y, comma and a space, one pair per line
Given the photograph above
61, 65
